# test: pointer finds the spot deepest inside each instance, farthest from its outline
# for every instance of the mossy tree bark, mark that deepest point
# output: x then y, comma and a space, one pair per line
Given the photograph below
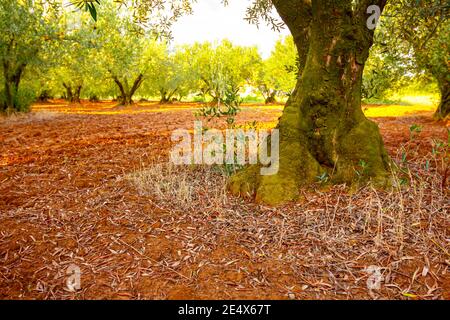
323, 129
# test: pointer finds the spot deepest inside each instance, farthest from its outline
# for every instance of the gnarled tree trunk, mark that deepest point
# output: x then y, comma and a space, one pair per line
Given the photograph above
323, 129
73, 94
166, 96
126, 93
271, 98
12, 77
44, 96
443, 110
268, 94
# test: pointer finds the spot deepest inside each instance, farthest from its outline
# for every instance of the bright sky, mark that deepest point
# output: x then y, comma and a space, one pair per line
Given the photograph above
212, 21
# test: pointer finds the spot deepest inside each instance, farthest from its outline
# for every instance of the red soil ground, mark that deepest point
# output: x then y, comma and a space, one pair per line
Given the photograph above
63, 201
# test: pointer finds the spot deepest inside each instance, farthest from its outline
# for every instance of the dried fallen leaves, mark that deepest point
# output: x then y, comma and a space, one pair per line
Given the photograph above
66, 198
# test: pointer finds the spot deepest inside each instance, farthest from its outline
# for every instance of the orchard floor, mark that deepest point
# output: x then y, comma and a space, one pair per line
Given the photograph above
67, 197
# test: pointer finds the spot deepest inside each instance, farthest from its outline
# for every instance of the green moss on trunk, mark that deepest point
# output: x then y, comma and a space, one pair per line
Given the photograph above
323, 129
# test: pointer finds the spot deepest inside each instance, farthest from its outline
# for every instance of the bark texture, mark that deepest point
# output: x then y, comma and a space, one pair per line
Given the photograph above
323, 129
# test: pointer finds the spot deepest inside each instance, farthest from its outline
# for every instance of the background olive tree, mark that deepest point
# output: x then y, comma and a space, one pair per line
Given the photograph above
278, 73
420, 30
27, 27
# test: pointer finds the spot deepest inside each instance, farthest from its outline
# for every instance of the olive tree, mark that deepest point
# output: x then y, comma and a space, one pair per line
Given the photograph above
26, 28
74, 63
323, 130
169, 75
222, 68
278, 73
125, 49
420, 29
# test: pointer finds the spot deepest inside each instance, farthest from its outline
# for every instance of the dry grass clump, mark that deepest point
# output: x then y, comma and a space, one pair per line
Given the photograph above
330, 240
30, 117
182, 187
